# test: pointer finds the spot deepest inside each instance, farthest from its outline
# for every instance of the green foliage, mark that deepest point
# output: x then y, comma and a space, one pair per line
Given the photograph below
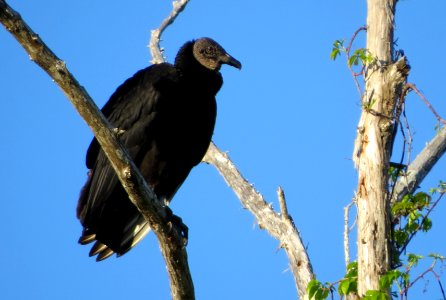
411, 213
387, 280
394, 171
412, 260
441, 189
368, 105
437, 256
376, 295
317, 290
397, 279
360, 55
349, 284
338, 48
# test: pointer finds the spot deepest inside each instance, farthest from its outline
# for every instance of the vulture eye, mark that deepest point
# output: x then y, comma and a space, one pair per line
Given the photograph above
209, 50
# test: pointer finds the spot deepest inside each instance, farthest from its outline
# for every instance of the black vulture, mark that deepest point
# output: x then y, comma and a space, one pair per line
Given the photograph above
165, 115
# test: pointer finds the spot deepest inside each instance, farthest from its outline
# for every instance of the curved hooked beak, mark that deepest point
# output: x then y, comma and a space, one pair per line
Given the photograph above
229, 60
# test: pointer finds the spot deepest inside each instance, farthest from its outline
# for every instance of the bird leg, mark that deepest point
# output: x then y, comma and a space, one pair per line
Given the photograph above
177, 223
118, 131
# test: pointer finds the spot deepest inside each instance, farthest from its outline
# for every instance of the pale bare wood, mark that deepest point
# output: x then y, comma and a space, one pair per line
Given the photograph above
154, 44
288, 237
171, 243
421, 166
280, 226
384, 81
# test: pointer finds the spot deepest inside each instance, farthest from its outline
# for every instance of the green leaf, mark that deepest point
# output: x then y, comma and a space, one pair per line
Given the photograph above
313, 286
376, 295
338, 46
347, 286
427, 225
321, 294
401, 208
353, 60
406, 279
413, 259
400, 237
360, 56
421, 200
344, 287
334, 53
352, 270
386, 281
437, 256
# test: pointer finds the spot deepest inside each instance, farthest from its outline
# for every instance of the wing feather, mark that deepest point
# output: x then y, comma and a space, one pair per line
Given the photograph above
133, 108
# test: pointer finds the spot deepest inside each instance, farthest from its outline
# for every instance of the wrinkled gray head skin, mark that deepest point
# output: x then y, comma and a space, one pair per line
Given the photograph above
211, 55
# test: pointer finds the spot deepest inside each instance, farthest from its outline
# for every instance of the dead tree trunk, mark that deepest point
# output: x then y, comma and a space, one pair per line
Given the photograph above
383, 84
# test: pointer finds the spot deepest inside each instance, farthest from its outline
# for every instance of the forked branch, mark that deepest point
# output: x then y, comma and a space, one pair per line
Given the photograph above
280, 226
425, 160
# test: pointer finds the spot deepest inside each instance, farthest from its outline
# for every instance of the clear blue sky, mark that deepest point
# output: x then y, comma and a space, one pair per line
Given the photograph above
288, 118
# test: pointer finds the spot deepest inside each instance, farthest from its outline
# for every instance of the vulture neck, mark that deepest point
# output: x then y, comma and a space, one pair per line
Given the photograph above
195, 73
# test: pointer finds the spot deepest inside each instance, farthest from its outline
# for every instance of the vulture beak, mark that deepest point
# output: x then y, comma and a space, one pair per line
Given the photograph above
229, 60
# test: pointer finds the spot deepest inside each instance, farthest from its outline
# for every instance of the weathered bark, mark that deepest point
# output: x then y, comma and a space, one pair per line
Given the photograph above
383, 86
421, 166
171, 243
154, 44
280, 226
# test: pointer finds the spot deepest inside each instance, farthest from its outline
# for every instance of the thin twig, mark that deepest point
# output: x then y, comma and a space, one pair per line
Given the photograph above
282, 229
421, 224
346, 233
415, 89
154, 44
282, 203
421, 166
347, 52
355, 34
426, 159
408, 139
428, 270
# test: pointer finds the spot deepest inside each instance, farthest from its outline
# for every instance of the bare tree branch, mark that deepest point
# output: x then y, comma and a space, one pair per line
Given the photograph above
154, 45
350, 67
279, 226
347, 232
425, 160
421, 166
140, 194
383, 87
283, 228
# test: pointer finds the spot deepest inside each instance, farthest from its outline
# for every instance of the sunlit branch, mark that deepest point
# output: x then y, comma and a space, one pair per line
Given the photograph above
139, 193
280, 226
154, 44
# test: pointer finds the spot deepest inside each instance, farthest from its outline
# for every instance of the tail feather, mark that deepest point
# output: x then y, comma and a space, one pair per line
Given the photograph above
97, 248
140, 231
106, 253
86, 239
134, 235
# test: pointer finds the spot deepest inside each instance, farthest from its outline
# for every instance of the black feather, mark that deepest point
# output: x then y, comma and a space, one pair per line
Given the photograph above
165, 115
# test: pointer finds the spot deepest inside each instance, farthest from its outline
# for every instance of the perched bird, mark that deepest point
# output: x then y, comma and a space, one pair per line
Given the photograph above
165, 115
